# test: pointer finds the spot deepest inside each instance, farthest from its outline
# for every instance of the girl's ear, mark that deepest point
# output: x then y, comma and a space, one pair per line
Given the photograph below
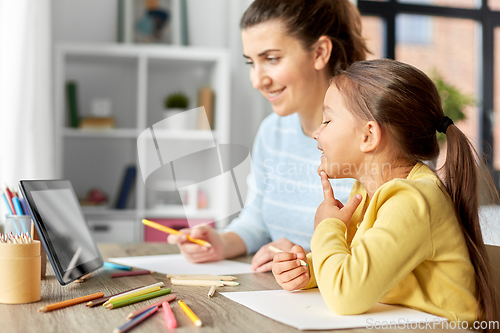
372, 136
322, 51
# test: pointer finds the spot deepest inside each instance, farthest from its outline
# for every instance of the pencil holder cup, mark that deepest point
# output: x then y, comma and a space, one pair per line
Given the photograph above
17, 224
20, 266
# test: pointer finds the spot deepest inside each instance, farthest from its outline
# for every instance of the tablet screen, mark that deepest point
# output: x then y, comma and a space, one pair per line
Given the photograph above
62, 228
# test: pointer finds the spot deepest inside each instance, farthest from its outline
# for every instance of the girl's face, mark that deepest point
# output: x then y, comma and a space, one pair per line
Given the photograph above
338, 138
281, 69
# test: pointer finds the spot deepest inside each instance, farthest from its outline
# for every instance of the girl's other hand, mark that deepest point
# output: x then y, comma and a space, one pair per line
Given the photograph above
198, 253
288, 271
331, 207
262, 261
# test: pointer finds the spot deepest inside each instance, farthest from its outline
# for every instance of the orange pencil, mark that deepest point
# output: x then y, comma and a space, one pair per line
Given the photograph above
70, 302
168, 230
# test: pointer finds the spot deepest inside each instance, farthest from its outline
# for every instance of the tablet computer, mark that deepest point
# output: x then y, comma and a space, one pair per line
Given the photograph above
63, 230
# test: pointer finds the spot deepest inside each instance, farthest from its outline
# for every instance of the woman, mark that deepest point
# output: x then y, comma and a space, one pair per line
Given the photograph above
293, 48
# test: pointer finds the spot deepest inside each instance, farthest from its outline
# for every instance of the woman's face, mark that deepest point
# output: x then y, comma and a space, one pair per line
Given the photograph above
281, 69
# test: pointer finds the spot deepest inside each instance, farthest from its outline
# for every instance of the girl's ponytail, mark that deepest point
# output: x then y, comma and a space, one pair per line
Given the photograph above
461, 178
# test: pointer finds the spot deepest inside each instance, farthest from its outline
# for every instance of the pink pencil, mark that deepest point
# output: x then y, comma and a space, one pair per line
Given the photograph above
134, 314
131, 273
169, 316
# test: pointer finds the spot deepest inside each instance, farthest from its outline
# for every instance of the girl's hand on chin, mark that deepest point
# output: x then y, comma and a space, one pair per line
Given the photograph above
331, 207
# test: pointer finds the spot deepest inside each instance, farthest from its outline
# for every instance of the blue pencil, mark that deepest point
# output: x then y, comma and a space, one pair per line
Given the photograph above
7, 204
137, 320
113, 265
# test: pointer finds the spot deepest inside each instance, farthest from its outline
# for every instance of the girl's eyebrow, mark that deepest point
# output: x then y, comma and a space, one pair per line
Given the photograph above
326, 108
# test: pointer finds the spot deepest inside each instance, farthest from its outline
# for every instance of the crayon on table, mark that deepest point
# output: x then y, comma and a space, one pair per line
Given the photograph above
119, 304
194, 318
137, 320
117, 266
104, 299
175, 232
202, 283
169, 316
131, 273
138, 292
276, 250
211, 292
70, 302
201, 277
147, 307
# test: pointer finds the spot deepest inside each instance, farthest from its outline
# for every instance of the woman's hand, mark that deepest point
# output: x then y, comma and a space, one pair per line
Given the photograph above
198, 253
262, 261
288, 271
331, 207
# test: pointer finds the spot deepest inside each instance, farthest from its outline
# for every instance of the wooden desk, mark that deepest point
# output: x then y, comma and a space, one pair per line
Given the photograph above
218, 314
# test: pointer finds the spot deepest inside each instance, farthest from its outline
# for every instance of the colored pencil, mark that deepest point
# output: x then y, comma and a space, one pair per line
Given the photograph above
9, 200
147, 307
160, 284
169, 316
83, 278
117, 266
102, 300
203, 283
276, 250
70, 302
131, 273
7, 204
211, 292
194, 318
138, 292
133, 300
127, 326
175, 232
202, 277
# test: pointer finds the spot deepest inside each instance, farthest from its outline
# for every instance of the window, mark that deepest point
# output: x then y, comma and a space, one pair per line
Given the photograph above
460, 39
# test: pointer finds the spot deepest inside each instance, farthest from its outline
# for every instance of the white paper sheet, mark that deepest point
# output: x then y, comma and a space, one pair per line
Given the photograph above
177, 264
306, 310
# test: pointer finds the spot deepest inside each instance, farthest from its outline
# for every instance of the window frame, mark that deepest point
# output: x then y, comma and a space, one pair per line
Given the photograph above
488, 20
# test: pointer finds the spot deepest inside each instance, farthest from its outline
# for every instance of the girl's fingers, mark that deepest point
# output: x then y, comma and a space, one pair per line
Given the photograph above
327, 188
294, 277
352, 204
283, 267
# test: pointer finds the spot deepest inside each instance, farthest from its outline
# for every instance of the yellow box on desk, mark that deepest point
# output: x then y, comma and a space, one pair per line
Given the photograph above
20, 266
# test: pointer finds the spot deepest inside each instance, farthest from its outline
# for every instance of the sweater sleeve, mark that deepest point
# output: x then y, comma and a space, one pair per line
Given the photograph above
249, 225
352, 280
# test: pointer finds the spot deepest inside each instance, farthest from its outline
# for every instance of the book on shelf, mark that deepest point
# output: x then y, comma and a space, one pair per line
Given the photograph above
206, 99
72, 102
97, 122
128, 181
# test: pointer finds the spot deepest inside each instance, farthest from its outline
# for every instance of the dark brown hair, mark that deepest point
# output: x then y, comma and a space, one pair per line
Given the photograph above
308, 20
406, 104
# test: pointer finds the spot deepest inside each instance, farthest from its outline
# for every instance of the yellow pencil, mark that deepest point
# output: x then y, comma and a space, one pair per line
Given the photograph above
134, 294
190, 313
276, 250
174, 232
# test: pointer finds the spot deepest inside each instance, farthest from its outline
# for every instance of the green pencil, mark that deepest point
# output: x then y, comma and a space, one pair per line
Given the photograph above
161, 292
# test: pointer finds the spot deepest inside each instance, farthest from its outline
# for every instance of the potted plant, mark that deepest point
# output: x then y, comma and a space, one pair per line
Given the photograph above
454, 103
173, 105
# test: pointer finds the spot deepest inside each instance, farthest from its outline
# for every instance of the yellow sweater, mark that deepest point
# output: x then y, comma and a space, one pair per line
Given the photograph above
404, 246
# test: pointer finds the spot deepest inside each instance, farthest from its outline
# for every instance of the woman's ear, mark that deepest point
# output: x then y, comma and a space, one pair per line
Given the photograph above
372, 136
322, 51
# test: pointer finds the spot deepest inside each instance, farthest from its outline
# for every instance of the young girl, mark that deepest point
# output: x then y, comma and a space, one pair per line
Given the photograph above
404, 237
293, 47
